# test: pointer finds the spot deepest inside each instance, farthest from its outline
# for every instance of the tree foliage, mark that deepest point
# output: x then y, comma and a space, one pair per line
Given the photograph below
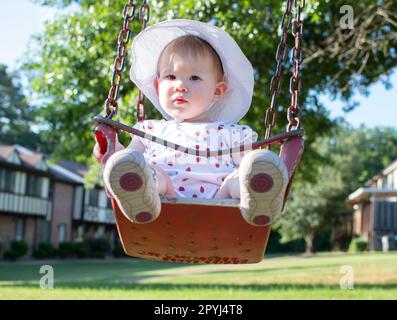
353, 157
70, 66
16, 115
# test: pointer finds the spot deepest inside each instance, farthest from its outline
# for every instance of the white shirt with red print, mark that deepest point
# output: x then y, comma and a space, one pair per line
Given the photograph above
196, 177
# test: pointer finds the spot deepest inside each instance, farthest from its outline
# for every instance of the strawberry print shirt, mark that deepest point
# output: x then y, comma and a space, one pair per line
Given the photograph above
196, 177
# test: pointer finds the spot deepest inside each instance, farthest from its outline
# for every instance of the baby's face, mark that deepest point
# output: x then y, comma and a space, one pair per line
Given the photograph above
187, 86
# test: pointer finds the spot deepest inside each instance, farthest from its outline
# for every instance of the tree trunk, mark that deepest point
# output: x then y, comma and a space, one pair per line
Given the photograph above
309, 239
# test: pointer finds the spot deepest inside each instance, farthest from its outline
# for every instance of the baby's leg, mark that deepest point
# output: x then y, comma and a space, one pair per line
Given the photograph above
165, 187
230, 187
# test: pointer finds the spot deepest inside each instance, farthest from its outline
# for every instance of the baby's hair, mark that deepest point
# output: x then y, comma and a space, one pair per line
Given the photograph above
196, 46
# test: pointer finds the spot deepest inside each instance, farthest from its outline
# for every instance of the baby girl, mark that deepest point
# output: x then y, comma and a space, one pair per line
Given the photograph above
201, 82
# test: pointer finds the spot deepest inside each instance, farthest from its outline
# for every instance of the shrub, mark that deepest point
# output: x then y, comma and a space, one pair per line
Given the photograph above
81, 249
18, 249
118, 251
274, 245
358, 245
97, 255
44, 250
98, 247
66, 250
10, 255
93, 248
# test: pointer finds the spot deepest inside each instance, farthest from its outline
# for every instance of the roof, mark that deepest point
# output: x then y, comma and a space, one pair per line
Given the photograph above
64, 170
23, 157
65, 175
74, 167
392, 166
365, 194
5, 151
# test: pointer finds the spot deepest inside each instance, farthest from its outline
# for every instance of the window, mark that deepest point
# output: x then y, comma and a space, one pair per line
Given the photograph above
390, 181
93, 197
19, 229
7, 180
61, 232
80, 232
100, 232
108, 203
33, 186
395, 179
43, 230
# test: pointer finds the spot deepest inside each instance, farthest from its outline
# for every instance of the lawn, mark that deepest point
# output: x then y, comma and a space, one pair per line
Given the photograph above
276, 277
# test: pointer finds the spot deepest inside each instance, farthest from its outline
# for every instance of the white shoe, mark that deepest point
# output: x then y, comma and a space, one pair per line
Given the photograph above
132, 183
263, 179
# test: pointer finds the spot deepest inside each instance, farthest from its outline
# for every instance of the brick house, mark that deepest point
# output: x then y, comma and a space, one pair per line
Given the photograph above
25, 197
92, 211
375, 208
42, 202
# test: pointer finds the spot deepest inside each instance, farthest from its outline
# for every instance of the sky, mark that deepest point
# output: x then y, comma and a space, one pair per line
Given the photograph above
19, 19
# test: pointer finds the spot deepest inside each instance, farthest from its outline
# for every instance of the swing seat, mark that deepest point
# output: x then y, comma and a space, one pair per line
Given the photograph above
194, 231
200, 231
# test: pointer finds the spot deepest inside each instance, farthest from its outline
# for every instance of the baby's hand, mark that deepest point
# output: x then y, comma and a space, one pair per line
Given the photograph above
96, 152
98, 155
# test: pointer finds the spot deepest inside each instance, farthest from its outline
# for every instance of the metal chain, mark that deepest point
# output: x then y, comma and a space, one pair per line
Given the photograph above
295, 86
144, 16
275, 83
111, 106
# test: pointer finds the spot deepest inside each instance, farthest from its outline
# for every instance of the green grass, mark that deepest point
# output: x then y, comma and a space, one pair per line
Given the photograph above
283, 277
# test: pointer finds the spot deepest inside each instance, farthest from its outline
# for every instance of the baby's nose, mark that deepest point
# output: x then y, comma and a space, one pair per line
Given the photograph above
180, 87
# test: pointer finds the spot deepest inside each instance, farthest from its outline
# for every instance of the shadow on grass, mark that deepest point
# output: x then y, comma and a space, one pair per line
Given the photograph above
130, 271
278, 269
204, 286
69, 270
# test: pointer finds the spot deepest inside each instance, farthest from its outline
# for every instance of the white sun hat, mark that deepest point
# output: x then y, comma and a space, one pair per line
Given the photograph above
239, 74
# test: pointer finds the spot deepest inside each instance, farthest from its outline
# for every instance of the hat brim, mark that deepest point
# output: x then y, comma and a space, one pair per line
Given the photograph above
148, 45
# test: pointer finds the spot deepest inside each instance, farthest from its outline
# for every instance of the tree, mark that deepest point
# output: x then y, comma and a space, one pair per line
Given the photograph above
16, 115
352, 156
310, 208
69, 67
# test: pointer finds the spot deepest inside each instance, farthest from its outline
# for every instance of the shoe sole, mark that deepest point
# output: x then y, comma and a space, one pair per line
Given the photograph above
263, 188
129, 179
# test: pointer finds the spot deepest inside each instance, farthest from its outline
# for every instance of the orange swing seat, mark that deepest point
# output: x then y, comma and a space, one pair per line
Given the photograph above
201, 231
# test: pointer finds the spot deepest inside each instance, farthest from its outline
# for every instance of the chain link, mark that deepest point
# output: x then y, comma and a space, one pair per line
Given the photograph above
295, 87
144, 16
111, 106
275, 83
295, 84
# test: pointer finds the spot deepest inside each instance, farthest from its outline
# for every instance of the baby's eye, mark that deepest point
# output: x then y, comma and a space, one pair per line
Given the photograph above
170, 77
194, 78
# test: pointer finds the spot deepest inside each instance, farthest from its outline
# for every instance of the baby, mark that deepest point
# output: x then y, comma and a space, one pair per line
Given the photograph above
196, 75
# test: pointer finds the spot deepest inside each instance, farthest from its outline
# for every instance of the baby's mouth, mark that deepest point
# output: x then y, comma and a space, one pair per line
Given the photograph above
180, 101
